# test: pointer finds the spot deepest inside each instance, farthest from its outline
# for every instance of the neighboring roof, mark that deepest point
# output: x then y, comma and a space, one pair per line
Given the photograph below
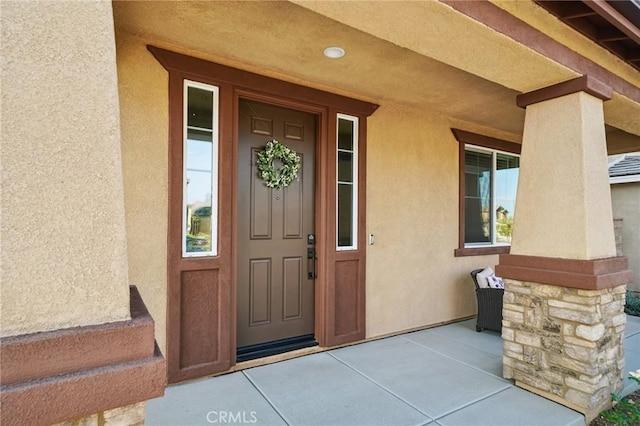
625, 169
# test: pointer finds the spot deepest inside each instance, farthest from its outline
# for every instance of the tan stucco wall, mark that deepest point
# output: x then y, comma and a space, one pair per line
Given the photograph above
413, 278
563, 208
63, 255
625, 198
144, 107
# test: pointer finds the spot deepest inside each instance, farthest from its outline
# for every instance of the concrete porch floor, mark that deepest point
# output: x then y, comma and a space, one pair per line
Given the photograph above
448, 375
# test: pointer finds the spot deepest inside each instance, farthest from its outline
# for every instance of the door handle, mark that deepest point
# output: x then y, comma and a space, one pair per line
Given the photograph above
311, 263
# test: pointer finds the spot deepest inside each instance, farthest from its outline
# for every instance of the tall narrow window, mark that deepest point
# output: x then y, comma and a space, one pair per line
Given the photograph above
347, 183
505, 187
490, 181
477, 180
200, 170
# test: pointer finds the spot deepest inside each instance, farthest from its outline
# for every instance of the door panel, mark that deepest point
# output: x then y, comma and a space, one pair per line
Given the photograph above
293, 210
260, 203
259, 292
347, 289
199, 311
293, 290
275, 295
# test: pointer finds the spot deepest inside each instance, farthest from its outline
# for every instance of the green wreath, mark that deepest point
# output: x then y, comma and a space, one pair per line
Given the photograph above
286, 173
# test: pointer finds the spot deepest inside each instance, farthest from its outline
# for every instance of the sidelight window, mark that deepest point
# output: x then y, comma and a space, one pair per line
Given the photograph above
347, 182
200, 170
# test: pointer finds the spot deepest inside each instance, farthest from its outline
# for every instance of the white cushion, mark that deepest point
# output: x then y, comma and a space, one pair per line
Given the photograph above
495, 282
483, 277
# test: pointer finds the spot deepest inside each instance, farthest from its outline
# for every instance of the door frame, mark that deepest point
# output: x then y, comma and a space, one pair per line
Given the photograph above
340, 282
320, 113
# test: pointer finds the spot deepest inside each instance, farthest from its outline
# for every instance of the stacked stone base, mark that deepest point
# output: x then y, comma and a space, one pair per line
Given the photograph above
565, 344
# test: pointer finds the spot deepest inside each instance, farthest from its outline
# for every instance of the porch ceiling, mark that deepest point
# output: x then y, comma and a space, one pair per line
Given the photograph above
614, 25
286, 41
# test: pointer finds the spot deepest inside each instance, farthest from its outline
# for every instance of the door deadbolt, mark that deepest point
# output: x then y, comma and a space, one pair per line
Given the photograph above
311, 263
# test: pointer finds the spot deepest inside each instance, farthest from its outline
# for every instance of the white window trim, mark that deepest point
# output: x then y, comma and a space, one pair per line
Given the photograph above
624, 179
494, 162
214, 168
354, 183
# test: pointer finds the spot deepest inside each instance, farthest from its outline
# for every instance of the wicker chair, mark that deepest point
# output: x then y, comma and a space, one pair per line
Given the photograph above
489, 306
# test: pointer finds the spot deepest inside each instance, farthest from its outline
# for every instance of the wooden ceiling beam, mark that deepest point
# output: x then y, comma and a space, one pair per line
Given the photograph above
574, 10
633, 55
615, 18
611, 34
578, 15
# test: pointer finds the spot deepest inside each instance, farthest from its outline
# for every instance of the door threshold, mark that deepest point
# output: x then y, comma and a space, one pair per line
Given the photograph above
259, 362
275, 347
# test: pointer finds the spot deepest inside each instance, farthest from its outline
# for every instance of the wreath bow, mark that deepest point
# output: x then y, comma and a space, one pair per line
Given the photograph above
286, 173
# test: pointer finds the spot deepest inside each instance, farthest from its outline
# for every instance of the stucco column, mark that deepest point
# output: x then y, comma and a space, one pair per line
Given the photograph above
564, 207
563, 316
64, 260
67, 326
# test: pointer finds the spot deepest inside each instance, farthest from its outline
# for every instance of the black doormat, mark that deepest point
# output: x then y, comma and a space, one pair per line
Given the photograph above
274, 347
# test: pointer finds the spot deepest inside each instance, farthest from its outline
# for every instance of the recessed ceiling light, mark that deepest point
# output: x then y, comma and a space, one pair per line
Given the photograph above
334, 52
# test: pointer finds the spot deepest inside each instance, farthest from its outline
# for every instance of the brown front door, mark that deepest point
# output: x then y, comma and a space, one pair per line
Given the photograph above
275, 277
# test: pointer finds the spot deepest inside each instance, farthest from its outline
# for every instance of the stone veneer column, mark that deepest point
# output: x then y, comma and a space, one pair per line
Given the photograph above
563, 316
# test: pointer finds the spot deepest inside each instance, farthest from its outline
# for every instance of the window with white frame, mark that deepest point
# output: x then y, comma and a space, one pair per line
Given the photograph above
490, 185
200, 170
347, 183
